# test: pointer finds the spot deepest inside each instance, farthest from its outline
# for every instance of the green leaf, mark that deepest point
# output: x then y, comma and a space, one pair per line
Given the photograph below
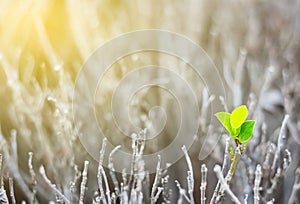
238, 116
246, 130
236, 131
224, 118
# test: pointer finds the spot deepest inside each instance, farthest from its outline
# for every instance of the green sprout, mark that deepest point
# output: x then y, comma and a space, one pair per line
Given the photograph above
236, 124
240, 130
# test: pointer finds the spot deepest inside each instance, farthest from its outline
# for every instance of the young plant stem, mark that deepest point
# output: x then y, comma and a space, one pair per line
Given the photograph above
230, 173
235, 160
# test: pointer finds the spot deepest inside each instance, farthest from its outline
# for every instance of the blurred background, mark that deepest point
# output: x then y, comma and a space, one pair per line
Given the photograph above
254, 44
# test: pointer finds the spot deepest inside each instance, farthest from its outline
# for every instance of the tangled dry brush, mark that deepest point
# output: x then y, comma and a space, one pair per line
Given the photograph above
256, 47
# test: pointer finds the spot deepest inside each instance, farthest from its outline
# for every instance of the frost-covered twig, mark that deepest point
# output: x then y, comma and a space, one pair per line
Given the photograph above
280, 141
268, 159
256, 189
83, 182
224, 167
156, 180
287, 160
11, 190
182, 193
137, 167
112, 169
99, 173
159, 190
268, 164
107, 191
123, 195
134, 147
113, 198
12, 165
53, 186
226, 154
203, 183
166, 192
77, 175
274, 182
190, 177
190, 181
296, 188
3, 196
32, 175
245, 199
1, 172
224, 185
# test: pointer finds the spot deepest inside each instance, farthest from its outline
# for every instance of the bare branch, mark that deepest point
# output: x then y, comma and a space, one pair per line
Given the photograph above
159, 190
224, 167
53, 186
83, 182
190, 177
274, 182
156, 180
3, 196
182, 193
287, 160
296, 187
106, 185
245, 199
112, 169
11, 190
99, 173
280, 141
203, 183
256, 189
77, 175
218, 171
32, 174
1, 172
